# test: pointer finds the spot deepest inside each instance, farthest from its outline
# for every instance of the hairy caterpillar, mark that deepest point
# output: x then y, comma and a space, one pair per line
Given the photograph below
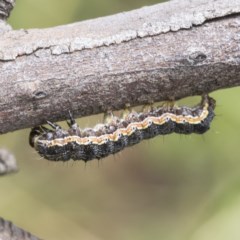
104, 139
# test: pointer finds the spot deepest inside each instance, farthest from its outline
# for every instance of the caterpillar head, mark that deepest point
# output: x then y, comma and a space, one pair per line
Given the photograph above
35, 133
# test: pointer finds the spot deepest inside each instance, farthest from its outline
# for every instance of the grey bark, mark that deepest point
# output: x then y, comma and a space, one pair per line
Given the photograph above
6, 7
8, 231
166, 51
8, 162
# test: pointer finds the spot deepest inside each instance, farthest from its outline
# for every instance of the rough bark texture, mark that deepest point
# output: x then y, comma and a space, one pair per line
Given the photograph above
166, 51
6, 7
8, 162
9, 231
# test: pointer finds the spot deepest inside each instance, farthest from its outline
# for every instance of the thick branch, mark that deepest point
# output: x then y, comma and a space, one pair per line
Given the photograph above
166, 51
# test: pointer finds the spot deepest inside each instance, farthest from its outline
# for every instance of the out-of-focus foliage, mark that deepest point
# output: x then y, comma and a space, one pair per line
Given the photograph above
45, 13
172, 188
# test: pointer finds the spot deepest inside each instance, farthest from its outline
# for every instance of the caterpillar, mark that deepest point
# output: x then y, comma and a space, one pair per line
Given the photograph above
57, 144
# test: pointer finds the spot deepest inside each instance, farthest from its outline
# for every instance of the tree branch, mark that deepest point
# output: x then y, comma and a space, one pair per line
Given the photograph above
9, 231
6, 7
8, 162
166, 51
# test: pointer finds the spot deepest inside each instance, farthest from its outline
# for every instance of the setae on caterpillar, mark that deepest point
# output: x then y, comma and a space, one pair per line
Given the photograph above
57, 144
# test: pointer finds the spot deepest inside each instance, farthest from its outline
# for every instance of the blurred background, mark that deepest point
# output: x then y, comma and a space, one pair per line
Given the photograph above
173, 188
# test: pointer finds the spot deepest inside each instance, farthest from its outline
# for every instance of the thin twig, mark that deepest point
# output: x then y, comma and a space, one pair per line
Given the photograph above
8, 231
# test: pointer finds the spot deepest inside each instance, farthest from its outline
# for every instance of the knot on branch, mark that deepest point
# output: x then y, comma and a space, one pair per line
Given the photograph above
197, 57
39, 94
6, 7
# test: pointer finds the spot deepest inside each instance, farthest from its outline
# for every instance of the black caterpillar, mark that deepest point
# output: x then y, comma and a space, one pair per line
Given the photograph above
104, 139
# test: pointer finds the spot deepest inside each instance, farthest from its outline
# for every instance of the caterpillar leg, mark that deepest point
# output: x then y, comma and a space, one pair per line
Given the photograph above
71, 123
148, 107
206, 99
170, 104
108, 117
43, 129
126, 111
54, 125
